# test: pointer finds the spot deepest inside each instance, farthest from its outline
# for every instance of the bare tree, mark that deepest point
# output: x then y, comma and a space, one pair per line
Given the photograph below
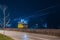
4, 8
5, 17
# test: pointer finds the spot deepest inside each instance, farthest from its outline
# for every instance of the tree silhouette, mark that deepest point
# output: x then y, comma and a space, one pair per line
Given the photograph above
4, 20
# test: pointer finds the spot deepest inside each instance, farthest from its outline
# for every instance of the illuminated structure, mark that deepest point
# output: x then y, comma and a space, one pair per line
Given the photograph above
22, 24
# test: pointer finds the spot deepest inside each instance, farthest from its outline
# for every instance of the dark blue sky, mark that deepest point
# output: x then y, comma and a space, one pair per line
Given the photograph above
34, 9
23, 8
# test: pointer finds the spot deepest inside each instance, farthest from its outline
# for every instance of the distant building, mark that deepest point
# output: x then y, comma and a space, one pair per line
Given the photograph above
22, 25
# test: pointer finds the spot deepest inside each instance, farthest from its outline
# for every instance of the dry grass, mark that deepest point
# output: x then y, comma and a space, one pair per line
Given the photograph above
3, 37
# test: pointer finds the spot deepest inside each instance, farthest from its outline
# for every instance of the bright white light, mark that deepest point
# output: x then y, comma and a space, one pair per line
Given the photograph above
22, 20
25, 37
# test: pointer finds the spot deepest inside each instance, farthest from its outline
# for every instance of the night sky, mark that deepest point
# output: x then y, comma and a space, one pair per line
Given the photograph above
27, 7
33, 8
